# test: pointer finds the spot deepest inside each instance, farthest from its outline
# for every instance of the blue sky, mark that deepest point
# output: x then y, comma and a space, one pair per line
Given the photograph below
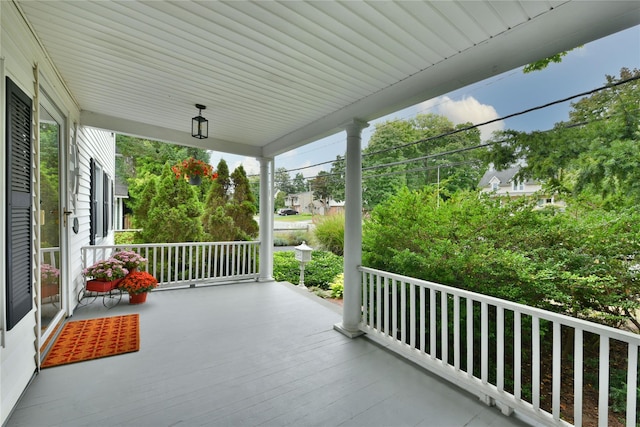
581, 70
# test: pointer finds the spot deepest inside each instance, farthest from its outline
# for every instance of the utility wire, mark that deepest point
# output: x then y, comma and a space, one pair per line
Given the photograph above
466, 128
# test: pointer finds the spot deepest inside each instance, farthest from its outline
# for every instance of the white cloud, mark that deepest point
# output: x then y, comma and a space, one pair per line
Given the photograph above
251, 165
466, 110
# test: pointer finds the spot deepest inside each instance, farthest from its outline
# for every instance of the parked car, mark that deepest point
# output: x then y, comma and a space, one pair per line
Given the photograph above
284, 212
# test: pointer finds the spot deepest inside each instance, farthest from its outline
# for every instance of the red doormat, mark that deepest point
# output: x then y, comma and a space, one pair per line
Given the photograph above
82, 340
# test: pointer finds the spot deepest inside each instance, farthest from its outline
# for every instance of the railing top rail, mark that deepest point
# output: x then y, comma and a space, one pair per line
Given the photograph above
585, 325
154, 245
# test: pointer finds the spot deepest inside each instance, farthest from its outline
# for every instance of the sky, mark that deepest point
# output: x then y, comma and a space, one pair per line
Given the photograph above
583, 69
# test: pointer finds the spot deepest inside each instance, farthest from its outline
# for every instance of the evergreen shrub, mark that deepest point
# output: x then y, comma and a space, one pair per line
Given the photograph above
320, 272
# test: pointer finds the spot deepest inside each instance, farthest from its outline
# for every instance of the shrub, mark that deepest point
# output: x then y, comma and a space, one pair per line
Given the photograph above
290, 238
124, 237
321, 271
337, 286
329, 232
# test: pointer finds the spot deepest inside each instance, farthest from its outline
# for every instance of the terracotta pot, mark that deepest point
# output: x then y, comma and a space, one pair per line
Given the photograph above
137, 298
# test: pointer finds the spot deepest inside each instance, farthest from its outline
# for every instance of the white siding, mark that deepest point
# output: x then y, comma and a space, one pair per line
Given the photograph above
21, 52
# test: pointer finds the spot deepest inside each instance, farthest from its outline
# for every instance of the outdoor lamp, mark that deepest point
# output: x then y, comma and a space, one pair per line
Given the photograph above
303, 256
200, 125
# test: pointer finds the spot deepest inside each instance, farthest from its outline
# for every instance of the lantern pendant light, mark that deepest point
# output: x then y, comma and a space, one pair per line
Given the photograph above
200, 125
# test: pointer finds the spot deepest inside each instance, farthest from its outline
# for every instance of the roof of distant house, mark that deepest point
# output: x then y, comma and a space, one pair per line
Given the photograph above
504, 176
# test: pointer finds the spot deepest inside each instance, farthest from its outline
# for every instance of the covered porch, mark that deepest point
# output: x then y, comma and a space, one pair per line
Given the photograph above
245, 354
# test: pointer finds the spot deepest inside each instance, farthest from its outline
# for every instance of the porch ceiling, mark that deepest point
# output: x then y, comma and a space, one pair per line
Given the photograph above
276, 75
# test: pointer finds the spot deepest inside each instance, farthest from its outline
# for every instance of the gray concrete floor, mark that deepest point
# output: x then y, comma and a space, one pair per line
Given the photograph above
249, 354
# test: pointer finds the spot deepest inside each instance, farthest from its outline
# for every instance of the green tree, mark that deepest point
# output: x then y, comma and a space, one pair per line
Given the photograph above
321, 187
594, 153
174, 212
413, 153
225, 217
242, 208
299, 184
282, 181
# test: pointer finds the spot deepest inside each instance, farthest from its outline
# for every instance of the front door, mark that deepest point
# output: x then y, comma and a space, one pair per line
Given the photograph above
51, 297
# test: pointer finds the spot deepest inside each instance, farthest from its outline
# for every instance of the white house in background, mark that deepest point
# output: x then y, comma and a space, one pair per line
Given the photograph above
503, 183
305, 203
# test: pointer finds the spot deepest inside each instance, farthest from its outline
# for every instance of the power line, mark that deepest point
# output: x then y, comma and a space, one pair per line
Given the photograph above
466, 128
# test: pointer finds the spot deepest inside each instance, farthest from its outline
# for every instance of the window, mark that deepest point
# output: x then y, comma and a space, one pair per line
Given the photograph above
517, 185
101, 207
495, 186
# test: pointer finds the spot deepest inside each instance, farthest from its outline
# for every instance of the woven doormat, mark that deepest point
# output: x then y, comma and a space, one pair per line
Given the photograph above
82, 340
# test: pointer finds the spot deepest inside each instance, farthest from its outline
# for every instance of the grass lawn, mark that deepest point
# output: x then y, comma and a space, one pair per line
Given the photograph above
293, 218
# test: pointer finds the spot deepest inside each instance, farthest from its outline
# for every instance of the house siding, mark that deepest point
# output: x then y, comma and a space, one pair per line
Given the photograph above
20, 55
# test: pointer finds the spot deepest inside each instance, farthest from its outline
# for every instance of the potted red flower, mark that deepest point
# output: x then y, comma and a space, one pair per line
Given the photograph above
194, 170
137, 284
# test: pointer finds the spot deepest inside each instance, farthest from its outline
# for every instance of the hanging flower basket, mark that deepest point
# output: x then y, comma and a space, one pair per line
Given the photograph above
194, 170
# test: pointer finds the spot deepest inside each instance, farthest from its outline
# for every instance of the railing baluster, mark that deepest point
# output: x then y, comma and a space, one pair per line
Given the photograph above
394, 308
484, 342
469, 318
432, 323
535, 365
456, 332
372, 279
403, 312
444, 327
555, 376
632, 384
423, 320
379, 302
603, 383
364, 279
387, 314
412, 314
517, 355
577, 377
500, 348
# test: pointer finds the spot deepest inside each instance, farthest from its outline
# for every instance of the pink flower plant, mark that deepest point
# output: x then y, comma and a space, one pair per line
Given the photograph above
130, 259
109, 269
49, 274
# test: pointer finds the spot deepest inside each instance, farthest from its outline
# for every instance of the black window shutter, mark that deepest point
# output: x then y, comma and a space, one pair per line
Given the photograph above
105, 204
92, 203
19, 199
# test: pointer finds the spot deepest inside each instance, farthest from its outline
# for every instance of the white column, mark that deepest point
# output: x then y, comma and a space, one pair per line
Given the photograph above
351, 311
266, 219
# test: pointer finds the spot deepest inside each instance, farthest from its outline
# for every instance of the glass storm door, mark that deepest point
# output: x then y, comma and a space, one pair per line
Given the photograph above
52, 243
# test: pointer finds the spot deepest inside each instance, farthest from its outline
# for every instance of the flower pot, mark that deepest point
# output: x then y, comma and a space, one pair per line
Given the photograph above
137, 298
102, 285
195, 180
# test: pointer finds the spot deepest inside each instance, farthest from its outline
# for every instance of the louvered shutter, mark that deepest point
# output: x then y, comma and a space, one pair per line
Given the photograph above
93, 203
19, 226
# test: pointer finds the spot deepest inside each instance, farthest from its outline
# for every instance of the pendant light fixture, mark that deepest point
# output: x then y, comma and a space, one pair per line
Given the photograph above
200, 125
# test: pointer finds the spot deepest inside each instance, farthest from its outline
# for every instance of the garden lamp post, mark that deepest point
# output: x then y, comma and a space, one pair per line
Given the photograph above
303, 256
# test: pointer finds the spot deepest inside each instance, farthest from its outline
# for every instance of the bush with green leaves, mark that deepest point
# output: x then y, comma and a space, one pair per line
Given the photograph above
337, 286
577, 262
329, 232
319, 272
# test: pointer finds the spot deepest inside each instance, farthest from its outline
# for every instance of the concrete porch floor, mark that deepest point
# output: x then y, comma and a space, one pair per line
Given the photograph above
247, 354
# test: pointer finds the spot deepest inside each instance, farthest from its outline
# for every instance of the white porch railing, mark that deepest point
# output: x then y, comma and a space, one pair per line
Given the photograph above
50, 256
181, 264
496, 348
